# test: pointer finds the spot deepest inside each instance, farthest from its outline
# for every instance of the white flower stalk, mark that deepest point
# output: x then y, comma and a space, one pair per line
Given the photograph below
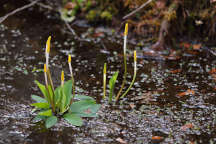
45, 74
135, 62
47, 51
125, 61
62, 78
72, 78
125, 37
134, 76
104, 80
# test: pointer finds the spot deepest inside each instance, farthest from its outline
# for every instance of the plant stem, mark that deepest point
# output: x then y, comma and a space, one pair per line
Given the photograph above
124, 79
134, 76
73, 86
104, 80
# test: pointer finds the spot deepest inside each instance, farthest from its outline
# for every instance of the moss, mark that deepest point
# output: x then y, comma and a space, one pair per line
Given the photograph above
91, 15
106, 15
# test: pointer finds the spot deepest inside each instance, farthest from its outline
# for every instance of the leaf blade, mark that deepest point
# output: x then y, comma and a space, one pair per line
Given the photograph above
112, 82
73, 119
51, 121
38, 99
41, 105
46, 113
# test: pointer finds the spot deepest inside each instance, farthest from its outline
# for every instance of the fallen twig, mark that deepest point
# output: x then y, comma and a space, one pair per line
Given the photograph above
17, 10
70, 29
136, 10
43, 5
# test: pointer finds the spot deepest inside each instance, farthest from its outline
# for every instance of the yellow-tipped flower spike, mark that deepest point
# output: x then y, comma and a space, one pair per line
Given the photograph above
62, 76
135, 57
45, 68
105, 71
69, 59
126, 29
48, 45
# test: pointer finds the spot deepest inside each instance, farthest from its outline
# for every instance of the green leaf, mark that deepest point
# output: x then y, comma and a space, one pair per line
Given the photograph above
63, 101
90, 112
41, 105
57, 96
38, 118
68, 92
83, 97
73, 119
38, 99
85, 108
112, 82
80, 106
46, 113
50, 93
51, 121
43, 89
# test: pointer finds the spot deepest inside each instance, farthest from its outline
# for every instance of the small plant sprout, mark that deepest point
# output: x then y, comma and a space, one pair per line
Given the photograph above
60, 103
104, 80
113, 79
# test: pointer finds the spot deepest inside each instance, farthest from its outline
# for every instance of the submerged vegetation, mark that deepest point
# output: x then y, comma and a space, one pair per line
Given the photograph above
61, 102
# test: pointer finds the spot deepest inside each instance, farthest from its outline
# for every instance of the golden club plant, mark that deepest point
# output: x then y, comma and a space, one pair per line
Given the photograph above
62, 101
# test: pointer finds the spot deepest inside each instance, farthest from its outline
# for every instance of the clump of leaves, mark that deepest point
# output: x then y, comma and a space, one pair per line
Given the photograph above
113, 79
61, 102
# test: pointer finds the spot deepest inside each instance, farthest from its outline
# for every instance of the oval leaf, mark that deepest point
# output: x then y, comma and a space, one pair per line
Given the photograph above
38, 99
73, 119
51, 121
42, 88
46, 113
41, 105
82, 105
83, 97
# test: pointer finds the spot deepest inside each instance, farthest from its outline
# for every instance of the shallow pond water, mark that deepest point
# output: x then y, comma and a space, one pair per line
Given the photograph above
172, 101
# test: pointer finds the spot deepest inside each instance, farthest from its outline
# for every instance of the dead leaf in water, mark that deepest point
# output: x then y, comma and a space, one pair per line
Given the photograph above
157, 138
185, 45
192, 52
98, 34
121, 140
187, 126
188, 92
132, 105
213, 71
197, 46
175, 71
213, 76
146, 98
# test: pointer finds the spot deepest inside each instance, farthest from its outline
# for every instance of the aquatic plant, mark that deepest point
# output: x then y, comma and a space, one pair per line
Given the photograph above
113, 79
62, 101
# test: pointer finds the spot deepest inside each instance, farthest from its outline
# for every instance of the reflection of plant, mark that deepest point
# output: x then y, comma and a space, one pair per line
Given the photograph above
113, 79
60, 102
